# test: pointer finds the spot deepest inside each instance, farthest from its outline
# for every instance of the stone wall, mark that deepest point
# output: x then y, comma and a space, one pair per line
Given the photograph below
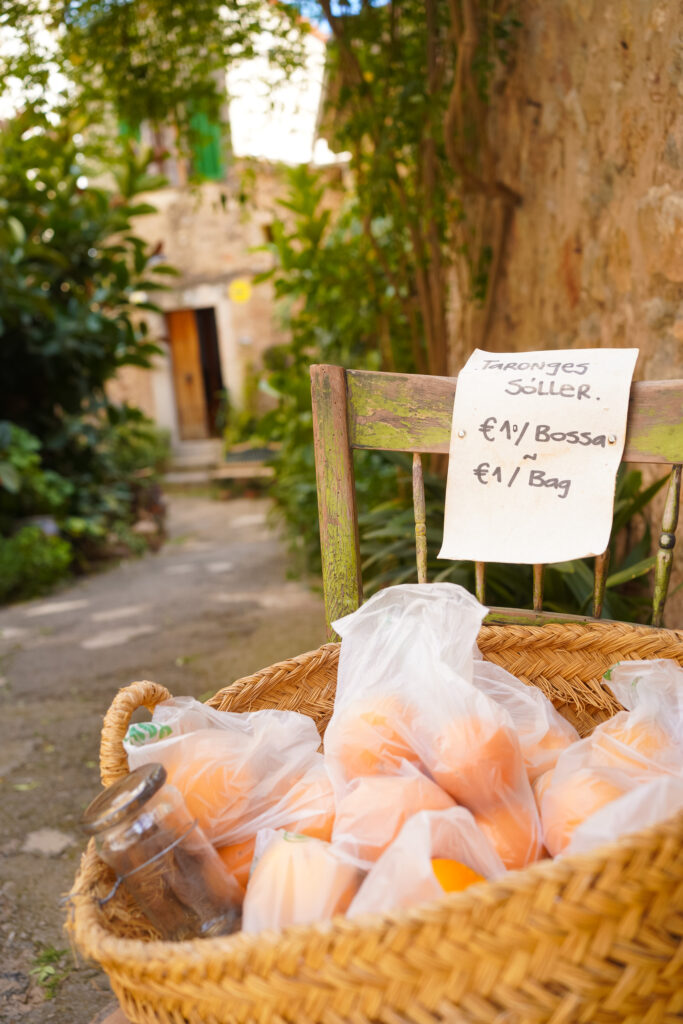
589, 131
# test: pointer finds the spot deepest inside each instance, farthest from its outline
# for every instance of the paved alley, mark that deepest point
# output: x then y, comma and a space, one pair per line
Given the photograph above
213, 605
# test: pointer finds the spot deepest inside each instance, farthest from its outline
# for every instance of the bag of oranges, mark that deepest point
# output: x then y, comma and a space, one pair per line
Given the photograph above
296, 880
572, 792
622, 754
307, 808
542, 731
648, 735
241, 772
372, 810
406, 695
405, 646
647, 804
435, 852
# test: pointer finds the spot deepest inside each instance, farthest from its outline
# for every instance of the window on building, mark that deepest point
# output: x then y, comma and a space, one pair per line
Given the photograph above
129, 131
207, 147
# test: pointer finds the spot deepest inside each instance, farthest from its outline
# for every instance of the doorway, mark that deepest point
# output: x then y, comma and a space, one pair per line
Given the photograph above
197, 376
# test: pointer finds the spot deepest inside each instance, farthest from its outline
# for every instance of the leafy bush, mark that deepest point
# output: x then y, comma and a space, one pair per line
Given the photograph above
73, 275
31, 562
332, 295
73, 280
113, 464
113, 461
26, 488
136, 445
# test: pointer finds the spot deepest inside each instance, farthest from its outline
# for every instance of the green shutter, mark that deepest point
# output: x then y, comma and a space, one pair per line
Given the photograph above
129, 131
207, 149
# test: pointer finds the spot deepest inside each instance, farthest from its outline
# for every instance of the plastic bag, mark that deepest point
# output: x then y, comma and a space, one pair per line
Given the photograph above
307, 808
404, 875
570, 794
654, 686
400, 653
373, 809
646, 738
405, 693
542, 731
296, 880
629, 750
236, 771
647, 804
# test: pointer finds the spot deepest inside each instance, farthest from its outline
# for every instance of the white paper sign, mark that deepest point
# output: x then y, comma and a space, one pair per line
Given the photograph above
536, 442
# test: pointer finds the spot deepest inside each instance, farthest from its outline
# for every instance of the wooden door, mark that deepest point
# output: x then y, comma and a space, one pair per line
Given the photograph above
188, 381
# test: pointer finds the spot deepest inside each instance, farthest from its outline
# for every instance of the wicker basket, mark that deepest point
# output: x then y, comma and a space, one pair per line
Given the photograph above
592, 938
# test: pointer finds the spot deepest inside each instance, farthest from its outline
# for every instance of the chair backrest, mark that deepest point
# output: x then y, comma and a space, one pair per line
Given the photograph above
358, 409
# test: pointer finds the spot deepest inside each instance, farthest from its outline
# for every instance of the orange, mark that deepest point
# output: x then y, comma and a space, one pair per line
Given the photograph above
453, 876
373, 810
215, 782
308, 809
310, 806
569, 801
630, 745
541, 756
309, 795
237, 859
514, 832
476, 761
539, 787
368, 736
297, 880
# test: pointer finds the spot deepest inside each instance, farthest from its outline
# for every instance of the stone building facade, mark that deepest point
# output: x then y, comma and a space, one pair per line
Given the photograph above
209, 236
216, 322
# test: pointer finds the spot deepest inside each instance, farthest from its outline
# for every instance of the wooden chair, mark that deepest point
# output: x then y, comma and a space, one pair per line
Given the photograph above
357, 409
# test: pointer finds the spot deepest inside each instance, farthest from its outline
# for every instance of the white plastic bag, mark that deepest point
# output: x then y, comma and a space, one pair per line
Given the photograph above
372, 810
655, 686
623, 754
308, 808
400, 653
235, 771
542, 731
647, 737
405, 693
296, 880
571, 793
648, 804
628, 751
180, 715
404, 874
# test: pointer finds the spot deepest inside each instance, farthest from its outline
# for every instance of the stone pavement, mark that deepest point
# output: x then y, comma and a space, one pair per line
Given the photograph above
212, 606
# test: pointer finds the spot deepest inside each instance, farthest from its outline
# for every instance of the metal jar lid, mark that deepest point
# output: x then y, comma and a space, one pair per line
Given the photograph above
117, 801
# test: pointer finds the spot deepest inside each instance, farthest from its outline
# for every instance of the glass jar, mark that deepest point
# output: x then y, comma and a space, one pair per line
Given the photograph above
144, 832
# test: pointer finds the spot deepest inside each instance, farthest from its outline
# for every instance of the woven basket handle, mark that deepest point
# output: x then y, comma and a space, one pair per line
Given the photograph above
113, 761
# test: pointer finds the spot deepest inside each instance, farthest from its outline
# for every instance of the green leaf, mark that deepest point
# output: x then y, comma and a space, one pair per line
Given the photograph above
16, 230
9, 477
631, 573
637, 504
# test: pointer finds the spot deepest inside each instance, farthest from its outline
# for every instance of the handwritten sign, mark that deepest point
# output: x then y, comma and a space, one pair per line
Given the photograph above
536, 442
